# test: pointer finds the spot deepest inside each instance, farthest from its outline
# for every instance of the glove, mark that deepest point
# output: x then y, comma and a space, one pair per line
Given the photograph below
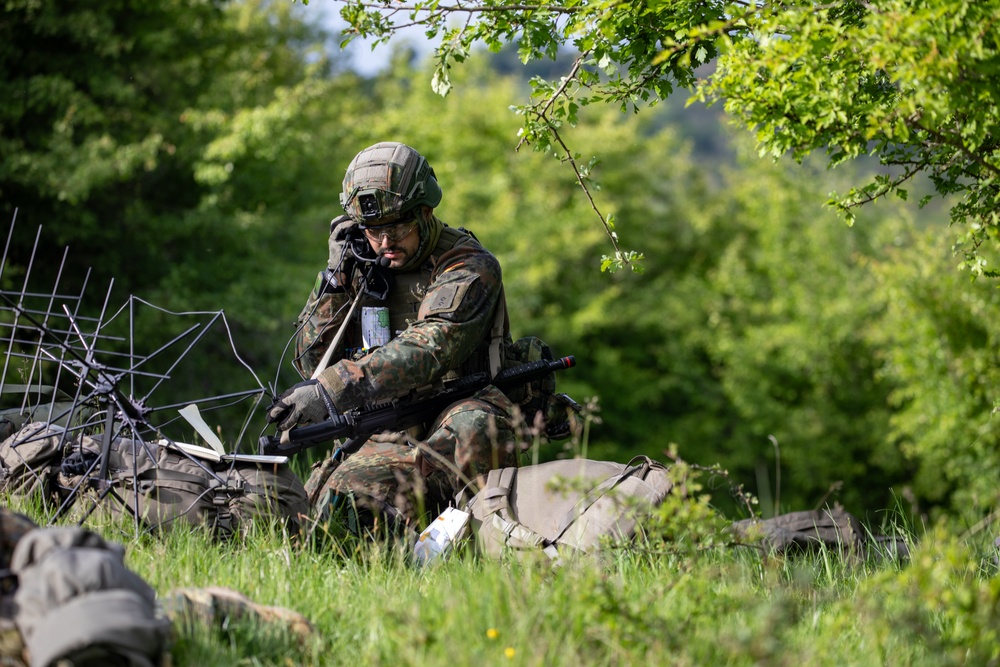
303, 404
79, 462
341, 262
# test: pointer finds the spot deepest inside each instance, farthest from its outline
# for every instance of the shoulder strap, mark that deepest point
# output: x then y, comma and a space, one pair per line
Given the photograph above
495, 497
450, 237
598, 492
497, 334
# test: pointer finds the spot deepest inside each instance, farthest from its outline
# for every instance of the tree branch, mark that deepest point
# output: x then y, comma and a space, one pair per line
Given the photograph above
960, 146
543, 114
580, 179
450, 9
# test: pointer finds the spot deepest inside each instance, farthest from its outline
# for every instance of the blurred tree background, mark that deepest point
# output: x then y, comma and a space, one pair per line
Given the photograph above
192, 151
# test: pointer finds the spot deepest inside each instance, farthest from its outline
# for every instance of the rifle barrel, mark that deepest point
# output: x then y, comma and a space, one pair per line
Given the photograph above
518, 375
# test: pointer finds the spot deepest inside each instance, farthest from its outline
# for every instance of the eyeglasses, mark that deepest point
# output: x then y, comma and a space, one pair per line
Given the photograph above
392, 233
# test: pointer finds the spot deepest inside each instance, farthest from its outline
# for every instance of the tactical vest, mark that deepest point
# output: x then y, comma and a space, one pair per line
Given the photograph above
404, 300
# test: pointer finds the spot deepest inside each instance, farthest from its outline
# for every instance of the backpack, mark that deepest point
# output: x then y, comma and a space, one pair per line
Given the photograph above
163, 486
77, 602
30, 460
811, 530
522, 510
13, 526
265, 490
806, 530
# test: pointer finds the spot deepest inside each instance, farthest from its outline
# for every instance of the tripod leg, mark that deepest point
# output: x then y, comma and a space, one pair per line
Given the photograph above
109, 429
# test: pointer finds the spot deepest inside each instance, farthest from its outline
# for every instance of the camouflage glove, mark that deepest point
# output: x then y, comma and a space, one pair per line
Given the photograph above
341, 262
303, 404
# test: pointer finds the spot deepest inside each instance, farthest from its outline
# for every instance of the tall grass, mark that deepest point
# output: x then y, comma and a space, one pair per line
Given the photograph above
682, 596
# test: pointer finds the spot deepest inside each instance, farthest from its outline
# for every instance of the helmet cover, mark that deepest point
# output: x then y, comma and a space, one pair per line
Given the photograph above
386, 182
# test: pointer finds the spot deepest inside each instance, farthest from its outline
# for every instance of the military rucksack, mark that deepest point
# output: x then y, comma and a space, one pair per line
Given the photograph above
13, 526
162, 486
265, 490
831, 528
802, 531
30, 460
565, 506
77, 603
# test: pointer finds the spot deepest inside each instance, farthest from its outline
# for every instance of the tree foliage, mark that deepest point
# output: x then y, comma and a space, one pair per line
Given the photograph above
758, 321
912, 83
164, 144
938, 350
909, 82
118, 120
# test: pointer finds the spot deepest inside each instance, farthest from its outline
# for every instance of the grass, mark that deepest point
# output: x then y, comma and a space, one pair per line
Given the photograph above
689, 599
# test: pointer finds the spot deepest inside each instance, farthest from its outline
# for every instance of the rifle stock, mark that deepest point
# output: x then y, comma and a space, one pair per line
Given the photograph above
402, 413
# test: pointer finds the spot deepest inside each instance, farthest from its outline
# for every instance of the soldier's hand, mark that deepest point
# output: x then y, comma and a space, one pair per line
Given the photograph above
341, 261
303, 404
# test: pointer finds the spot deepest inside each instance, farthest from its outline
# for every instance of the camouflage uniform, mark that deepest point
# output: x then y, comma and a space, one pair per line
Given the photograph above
443, 315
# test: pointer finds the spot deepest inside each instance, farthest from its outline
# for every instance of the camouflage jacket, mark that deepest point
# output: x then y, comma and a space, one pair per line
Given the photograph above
443, 318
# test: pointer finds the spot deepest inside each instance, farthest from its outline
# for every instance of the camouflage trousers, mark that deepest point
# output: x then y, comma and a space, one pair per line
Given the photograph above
405, 479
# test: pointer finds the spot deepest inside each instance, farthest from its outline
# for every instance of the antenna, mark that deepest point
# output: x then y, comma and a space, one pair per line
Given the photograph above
76, 369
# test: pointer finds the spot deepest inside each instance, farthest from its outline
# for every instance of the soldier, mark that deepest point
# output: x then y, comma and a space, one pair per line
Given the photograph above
446, 317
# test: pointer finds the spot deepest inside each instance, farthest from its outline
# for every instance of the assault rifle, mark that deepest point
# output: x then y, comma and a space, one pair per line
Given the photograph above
402, 413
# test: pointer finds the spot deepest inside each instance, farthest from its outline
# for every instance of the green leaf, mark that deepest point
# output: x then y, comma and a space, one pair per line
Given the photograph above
441, 83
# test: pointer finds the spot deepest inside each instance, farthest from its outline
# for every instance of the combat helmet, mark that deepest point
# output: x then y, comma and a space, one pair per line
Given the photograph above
386, 182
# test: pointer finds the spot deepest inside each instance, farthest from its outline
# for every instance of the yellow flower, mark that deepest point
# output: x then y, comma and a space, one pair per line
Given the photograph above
492, 633
509, 651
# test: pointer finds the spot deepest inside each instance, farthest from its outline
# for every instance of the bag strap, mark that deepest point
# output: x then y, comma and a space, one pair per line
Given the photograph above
496, 501
599, 492
495, 495
165, 475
